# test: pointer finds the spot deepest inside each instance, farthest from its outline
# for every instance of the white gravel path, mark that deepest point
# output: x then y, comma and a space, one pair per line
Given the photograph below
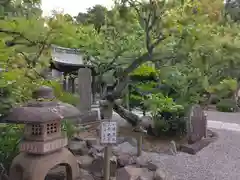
218, 161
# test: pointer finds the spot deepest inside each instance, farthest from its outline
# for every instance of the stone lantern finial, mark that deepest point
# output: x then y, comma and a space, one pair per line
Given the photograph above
44, 92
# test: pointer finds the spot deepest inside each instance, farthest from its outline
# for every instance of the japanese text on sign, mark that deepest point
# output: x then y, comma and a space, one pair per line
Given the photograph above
108, 132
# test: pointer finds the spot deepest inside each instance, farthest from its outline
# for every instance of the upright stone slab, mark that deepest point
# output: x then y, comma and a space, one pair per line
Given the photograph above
85, 89
196, 125
56, 74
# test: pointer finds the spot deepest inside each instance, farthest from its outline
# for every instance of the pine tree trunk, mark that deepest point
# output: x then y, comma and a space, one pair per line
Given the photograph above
130, 117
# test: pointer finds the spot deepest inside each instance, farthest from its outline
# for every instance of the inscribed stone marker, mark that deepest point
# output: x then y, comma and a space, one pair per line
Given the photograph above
84, 89
197, 124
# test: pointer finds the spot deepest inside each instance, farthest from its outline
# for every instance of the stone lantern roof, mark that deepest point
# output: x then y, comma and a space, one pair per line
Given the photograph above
43, 108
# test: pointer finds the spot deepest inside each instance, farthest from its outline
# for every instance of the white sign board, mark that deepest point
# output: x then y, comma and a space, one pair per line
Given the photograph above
109, 132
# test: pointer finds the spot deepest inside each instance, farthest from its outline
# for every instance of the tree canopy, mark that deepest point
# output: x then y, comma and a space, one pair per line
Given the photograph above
192, 44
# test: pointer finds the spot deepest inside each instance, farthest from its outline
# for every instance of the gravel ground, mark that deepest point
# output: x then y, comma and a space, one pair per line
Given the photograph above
225, 117
218, 161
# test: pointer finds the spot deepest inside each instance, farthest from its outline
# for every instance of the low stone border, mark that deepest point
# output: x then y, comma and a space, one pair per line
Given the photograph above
199, 145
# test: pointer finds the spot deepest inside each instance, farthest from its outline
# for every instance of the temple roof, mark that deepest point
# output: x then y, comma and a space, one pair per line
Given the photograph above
67, 59
66, 55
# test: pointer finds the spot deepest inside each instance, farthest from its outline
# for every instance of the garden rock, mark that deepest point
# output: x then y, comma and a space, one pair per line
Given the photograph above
98, 148
161, 174
84, 162
196, 147
120, 140
133, 173
125, 160
173, 148
77, 138
151, 166
124, 148
131, 140
90, 142
146, 122
85, 175
144, 163
128, 139
78, 147
146, 175
143, 160
122, 123
94, 153
96, 168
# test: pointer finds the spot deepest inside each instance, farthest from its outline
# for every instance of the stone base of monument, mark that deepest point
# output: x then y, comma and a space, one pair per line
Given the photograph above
199, 145
88, 117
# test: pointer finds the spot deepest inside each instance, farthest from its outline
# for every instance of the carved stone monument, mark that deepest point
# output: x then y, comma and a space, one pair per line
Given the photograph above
196, 125
43, 143
88, 110
85, 89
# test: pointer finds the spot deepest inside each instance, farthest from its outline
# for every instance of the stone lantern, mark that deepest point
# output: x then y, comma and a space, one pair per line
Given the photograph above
43, 143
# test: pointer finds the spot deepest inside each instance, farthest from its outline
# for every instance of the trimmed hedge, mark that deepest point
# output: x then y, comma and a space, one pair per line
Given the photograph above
226, 105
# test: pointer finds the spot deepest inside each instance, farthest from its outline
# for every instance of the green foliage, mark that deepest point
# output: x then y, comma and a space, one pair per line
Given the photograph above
23, 48
226, 105
142, 83
157, 103
136, 101
139, 91
62, 95
214, 99
198, 49
225, 89
20, 7
69, 98
69, 128
10, 136
144, 70
185, 86
167, 115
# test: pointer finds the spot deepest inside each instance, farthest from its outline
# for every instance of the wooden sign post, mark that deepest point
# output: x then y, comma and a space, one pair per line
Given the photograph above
108, 134
139, 145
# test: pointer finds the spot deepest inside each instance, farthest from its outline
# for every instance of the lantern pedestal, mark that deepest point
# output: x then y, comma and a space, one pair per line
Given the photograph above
35, 167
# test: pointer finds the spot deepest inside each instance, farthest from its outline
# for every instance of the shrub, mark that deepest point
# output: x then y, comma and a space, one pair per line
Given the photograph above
144, 73
10, 136
138, 93
225, 89
167, 115
226, 105
135, 101
61, 95
214, 99
69, 98
68, 127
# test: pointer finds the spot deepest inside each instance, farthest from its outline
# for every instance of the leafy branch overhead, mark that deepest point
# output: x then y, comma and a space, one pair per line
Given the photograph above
191, 43
150, 17
32, 59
